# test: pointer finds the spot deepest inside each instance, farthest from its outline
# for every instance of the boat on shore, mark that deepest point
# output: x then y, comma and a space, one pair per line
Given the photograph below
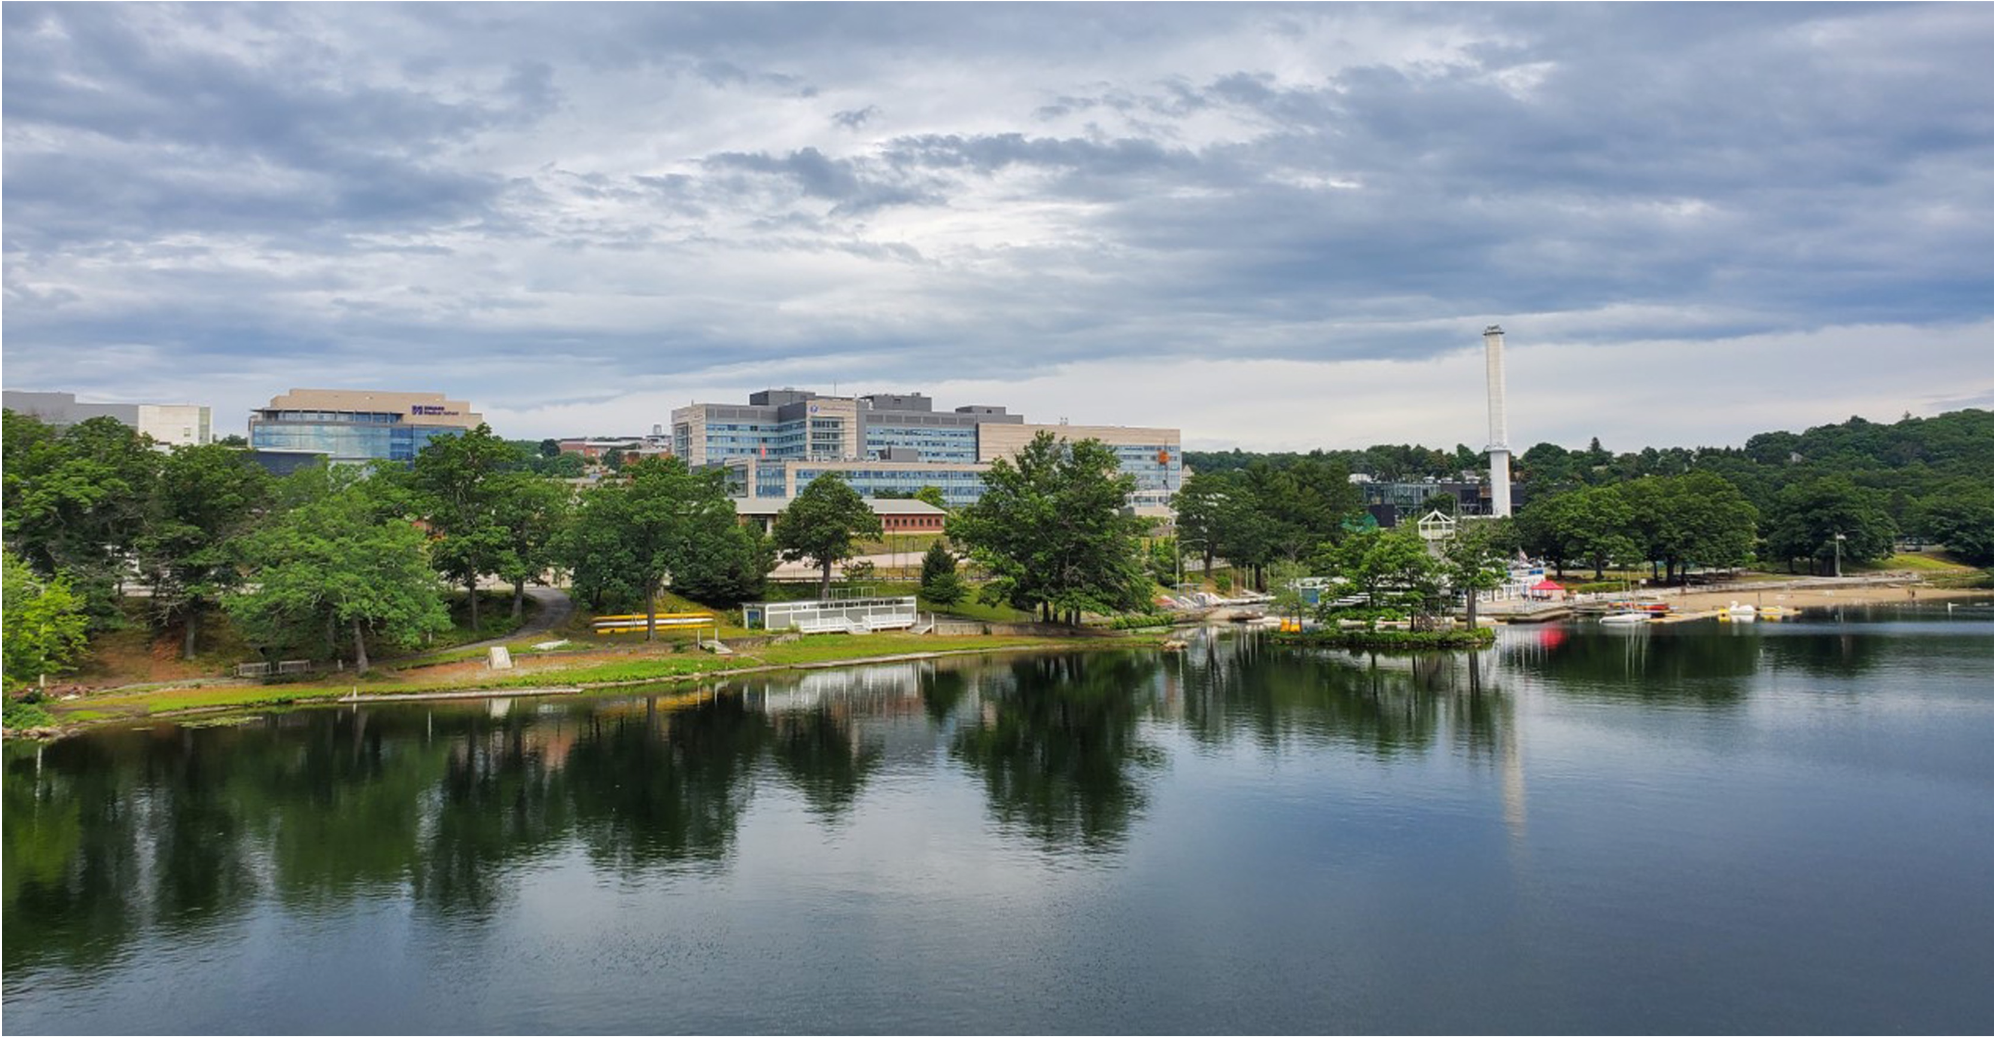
1627, 617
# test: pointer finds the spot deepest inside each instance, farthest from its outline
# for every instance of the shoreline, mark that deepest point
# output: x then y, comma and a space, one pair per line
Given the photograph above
72, 727
1799, 595
1804, 595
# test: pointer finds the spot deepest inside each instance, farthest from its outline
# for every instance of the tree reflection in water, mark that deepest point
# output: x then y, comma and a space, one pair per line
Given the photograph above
1057, 747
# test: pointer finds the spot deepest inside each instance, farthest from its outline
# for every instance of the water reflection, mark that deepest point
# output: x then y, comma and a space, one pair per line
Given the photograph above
1057, 746
168, 830
1646, 663
1387, 705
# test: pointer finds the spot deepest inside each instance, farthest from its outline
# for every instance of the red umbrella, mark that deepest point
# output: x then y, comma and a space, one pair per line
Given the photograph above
1547, 585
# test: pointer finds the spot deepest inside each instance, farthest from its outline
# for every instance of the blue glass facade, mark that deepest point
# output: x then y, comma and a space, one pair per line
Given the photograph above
960, 487
931, 443
1155, 466
344, 436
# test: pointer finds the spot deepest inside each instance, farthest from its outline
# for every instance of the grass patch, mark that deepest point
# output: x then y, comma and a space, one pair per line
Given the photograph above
1933, 563
1963, 579
970, 607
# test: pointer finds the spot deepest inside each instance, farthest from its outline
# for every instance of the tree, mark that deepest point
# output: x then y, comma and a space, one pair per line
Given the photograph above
335, 561
821, 524
46, 627
1691, 518
614, 460
204, 497
1958, 516
724, 564
662, 519
530, 510
458, 486
1197, 505
1391, 568
74, 502
941, 584
1809, 518
1474, 562
933, 495
1051, 528
1591, 525
550, 448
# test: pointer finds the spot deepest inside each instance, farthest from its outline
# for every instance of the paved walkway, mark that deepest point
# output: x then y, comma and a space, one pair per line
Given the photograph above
551, 607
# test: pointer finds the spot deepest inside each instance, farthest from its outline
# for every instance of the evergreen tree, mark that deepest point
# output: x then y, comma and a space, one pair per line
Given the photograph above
941, 584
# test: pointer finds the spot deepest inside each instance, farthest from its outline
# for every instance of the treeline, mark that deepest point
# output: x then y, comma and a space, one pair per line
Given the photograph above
1281, 508
1929, 479
345, 559
336, 560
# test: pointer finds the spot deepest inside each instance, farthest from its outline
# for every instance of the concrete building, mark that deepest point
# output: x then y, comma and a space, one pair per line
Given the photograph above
358, 425
166, 424
893, 443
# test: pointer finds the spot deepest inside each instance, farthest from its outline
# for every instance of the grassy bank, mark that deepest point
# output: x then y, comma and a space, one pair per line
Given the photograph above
554, 673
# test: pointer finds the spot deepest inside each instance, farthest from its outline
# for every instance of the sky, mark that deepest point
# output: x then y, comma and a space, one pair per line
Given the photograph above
1273, 227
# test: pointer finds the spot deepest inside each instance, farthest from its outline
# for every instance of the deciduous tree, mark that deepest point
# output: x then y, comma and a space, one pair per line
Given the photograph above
334, 562
822, 524
204, 497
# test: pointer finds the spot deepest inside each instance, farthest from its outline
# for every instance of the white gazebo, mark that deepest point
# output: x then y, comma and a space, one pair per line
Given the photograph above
1435, 527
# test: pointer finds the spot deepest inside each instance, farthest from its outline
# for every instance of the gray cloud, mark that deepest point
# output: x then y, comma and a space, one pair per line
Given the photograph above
657, 195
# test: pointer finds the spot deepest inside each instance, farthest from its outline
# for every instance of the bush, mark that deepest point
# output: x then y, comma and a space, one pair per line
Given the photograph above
1140, 621
22, 715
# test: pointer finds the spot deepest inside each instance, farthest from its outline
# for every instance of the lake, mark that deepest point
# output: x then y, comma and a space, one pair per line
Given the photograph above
1766, 827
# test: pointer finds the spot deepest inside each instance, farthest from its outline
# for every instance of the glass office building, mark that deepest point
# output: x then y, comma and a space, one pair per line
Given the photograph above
358, 425
892, 443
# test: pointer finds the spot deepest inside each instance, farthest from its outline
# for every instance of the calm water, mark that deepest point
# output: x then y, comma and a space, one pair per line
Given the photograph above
1765, 828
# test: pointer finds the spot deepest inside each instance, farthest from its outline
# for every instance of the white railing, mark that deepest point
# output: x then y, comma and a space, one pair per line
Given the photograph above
834, 615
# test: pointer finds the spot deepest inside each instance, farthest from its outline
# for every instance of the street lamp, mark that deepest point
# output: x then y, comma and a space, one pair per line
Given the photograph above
1838, 555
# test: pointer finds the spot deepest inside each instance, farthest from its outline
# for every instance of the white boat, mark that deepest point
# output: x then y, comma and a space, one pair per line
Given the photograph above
1739, 612
1628, 617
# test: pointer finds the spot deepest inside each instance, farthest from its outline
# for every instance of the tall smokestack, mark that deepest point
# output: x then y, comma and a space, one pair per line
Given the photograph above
1501, 456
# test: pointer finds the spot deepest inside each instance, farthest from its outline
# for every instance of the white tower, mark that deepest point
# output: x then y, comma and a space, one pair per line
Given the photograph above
1501, 456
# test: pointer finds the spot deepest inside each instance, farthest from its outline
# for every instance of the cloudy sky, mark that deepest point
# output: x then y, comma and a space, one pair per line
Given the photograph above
1275, 227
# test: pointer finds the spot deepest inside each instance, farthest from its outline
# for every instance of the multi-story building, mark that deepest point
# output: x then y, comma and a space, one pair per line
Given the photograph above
892, 443
358, 425
1150, 454
166, 424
